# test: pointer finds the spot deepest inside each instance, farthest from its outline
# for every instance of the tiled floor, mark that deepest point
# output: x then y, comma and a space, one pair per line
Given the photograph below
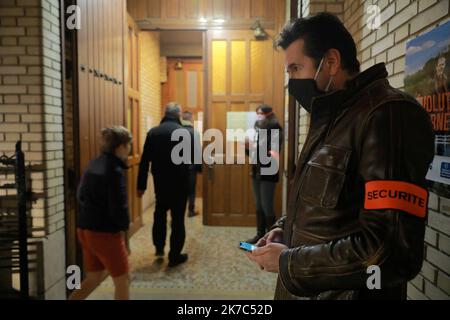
216, 269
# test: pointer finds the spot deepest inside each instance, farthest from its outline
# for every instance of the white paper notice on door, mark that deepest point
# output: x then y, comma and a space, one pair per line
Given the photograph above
240, 125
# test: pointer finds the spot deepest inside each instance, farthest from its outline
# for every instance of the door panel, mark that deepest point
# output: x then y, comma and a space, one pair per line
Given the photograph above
133, 123
239, 80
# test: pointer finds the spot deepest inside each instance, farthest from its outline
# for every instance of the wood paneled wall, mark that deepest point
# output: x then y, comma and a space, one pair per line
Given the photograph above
168, 14
102, 68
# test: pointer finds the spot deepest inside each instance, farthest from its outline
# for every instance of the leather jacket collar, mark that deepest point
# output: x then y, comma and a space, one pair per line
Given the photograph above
332, 102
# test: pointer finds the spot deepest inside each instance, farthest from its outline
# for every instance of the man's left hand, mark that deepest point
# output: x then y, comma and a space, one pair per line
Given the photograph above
267, 257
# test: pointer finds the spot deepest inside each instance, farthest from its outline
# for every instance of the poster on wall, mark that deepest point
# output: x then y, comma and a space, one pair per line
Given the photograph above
427, 77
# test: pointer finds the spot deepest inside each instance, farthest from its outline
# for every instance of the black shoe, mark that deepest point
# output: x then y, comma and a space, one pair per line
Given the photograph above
192, 214
160, 253
182, 258
254, 240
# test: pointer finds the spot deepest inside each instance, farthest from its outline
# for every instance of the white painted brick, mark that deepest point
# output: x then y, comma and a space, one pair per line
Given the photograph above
401, 4
424, 4
387, 14
433, 201
431, 237
432, 14
403, 16
415, 294
439, 221
435, 293
380, 58
368, 41
444, 243
429, 271
382, 32
443, 282
439, 259
418, 282
383, 44
396, 51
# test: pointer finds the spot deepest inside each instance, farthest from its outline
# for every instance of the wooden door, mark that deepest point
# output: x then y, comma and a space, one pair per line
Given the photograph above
240, 78
132, 120
185, 86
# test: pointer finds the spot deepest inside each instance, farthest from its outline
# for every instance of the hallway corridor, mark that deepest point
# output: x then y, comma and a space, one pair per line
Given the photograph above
216, 268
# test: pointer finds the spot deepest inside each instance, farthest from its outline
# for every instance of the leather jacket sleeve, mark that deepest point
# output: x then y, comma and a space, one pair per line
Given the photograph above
396, 143
279, 223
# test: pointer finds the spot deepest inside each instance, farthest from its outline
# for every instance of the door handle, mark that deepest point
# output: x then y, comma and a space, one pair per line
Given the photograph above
211, 164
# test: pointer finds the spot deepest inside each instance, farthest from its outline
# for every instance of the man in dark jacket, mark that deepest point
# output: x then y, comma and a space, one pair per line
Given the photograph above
170, 181
358, 201
195, 166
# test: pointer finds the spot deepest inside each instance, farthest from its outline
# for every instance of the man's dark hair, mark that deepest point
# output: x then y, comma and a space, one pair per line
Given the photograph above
321, 32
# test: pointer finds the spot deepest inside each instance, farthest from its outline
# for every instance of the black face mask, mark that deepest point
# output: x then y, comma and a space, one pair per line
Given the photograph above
304, 90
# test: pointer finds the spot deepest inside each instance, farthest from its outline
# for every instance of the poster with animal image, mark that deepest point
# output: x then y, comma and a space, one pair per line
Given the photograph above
427, 77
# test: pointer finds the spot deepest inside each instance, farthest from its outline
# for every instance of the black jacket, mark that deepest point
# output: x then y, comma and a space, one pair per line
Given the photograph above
167, 175
196, 149
102, 196
367, 136
272, 131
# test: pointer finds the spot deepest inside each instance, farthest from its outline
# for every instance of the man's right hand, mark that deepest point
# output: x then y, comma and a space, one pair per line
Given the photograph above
275, 235
140, 193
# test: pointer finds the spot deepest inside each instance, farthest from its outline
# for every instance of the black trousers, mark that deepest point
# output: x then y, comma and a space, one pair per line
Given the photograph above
176, 203
192, 188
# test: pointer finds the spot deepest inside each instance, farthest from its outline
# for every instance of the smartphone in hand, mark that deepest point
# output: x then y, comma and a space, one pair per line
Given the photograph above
247, 246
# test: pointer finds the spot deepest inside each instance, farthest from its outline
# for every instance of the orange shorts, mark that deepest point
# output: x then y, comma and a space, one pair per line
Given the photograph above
102, 251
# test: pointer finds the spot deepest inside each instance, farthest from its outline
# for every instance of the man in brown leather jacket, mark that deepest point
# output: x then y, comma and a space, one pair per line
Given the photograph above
358, 198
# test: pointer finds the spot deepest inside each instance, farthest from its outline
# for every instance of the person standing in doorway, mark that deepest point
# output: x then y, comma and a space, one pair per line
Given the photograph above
194, 168
103, 219
170, 182
268, 139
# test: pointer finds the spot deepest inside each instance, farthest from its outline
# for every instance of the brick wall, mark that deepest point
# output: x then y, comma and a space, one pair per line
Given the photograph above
150, 92
401, 20
31, 111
